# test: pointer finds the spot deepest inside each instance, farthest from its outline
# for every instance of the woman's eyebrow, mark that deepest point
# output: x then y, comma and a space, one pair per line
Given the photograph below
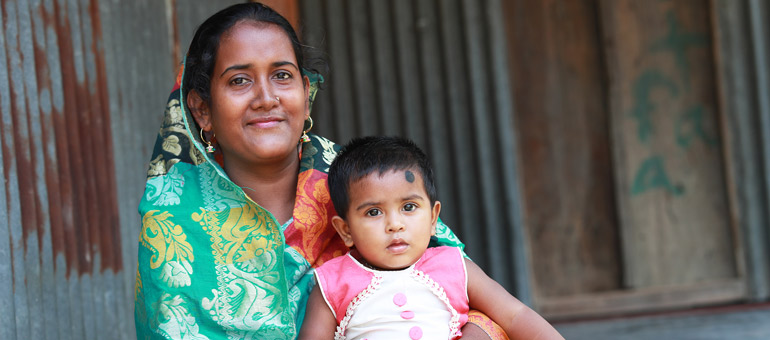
235, 67
245, 66
284, 63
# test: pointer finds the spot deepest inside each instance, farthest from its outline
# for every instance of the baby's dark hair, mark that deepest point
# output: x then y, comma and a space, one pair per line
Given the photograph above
363, 156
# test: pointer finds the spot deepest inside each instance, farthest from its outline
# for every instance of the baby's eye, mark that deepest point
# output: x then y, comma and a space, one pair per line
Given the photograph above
283, 75
410, 207
373, 212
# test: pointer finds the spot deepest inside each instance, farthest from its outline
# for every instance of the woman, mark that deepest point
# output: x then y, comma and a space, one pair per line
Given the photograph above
236, 210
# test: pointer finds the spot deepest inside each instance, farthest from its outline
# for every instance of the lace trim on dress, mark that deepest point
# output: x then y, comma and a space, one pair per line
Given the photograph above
454, 321
363, 295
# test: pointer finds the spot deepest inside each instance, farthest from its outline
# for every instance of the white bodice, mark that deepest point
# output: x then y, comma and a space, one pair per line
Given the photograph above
400, 307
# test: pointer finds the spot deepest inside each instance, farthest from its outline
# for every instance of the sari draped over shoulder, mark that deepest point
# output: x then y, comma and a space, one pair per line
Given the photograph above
213, 264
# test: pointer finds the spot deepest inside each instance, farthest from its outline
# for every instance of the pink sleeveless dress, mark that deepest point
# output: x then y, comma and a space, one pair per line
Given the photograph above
427, 300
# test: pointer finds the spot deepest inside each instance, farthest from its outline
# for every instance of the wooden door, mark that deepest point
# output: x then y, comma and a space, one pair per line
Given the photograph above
623, 173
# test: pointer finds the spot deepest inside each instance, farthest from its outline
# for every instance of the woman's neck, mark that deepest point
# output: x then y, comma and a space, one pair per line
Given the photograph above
273, 186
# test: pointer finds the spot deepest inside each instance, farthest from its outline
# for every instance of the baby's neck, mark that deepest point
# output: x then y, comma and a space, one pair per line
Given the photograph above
357, 255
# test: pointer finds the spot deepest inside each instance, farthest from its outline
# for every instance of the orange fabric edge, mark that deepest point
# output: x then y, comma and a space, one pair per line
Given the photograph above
492, 329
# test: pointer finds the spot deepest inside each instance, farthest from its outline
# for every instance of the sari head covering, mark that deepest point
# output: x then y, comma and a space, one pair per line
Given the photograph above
213, 264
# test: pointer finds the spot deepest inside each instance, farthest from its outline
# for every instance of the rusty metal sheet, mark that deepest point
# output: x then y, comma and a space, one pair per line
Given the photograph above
59, 206
45, 173
137, 101
29, 121
7, 196
13, 161
71, 99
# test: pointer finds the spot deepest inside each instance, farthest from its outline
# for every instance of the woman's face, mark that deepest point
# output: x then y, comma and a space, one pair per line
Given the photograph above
258, 96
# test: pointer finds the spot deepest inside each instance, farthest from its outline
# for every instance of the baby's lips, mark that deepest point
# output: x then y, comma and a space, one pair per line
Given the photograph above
398, 246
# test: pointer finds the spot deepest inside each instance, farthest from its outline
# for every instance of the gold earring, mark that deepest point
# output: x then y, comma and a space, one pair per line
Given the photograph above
278, 99
209, 148
305, 138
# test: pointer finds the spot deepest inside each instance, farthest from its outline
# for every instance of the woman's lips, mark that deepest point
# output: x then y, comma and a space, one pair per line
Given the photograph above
265, 122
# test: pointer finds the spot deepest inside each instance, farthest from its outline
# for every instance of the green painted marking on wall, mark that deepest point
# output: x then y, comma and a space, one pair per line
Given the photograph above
643, 106
678, 41
652, 175
689, 126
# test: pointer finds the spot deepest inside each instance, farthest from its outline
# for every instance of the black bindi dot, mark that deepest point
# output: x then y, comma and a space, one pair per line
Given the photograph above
409, 176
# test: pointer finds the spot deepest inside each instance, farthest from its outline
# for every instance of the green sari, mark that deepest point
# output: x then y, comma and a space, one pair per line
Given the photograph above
212, 264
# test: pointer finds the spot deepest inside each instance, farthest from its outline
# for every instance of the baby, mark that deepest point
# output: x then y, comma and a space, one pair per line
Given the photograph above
391, 285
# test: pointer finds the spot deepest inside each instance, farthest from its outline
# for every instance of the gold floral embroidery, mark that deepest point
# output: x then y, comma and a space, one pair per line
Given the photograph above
328, 153
306, 215
320, 193
138, 287
166, 240
172, 119
244, 234
245, 246
157, 167
171, 144
196, 156
309, 234
173, 114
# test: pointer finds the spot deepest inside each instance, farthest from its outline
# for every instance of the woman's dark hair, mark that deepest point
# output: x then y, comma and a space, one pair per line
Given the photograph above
201, 55
375, 154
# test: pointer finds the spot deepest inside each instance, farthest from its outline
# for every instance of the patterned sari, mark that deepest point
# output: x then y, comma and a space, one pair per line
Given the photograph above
215, 265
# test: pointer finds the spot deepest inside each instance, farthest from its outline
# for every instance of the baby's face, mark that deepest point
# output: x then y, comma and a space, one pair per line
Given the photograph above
390, 218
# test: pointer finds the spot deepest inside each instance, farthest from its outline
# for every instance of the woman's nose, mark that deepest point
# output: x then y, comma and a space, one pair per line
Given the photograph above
264, 97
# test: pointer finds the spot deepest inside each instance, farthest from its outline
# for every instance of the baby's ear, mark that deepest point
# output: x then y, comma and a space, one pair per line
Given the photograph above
434, 217
343, 229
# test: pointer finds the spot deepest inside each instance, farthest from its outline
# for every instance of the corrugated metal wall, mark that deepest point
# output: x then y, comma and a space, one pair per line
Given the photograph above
83, 85
138, 43
61, 266
743, 43
434, 71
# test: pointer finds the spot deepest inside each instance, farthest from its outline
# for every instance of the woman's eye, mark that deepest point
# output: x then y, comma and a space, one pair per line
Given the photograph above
238, 81
410, 207
283, 75
373, 212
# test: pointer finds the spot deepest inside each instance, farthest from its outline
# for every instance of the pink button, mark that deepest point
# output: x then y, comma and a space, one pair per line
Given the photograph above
407, 314
415, 333
399, 299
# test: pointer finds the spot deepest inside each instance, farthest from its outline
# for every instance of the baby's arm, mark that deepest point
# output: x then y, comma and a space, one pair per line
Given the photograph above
518, 320
319, 321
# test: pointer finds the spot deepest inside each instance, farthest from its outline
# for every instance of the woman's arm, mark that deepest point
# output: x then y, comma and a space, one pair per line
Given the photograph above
518, 320
319, 321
